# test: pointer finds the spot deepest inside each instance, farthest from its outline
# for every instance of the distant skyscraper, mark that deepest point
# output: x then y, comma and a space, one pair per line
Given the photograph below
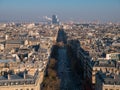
55, 20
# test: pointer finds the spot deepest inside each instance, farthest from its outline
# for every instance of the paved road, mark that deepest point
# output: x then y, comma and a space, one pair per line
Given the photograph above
68, 80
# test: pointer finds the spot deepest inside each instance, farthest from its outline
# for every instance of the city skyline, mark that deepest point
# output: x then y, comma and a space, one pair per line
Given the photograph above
72, 10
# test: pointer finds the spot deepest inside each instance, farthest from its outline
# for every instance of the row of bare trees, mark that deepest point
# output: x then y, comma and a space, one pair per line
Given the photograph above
51, 80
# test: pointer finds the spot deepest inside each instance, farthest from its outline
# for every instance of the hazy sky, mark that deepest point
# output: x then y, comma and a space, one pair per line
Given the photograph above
78, 10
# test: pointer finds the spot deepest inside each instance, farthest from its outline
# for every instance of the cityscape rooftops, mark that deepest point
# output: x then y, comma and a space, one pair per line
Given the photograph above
109, 78
6, 61
104, 63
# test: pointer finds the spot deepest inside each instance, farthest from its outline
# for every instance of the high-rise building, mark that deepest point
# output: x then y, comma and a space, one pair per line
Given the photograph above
55, 20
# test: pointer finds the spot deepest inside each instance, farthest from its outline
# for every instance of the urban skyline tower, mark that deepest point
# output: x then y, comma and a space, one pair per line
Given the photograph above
55, 20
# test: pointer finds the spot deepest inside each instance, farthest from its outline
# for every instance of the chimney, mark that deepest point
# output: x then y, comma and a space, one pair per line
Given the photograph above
24, 75
114, 77
9, 76
117, 72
